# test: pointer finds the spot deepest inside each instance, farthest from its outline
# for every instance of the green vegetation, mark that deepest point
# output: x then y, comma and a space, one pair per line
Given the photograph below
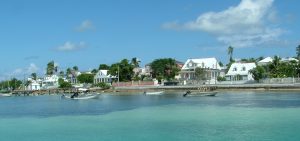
62, 74
75, 68
200, 73
12, 84
103, 67
94, 71
34, 76
50, 68
124, 68
298, 51
165, 68
103, 85
86, 78
68, 72
221, 64
221, 78
135, 62
276, 69
63, 84
230, 53
258, 73
250, 60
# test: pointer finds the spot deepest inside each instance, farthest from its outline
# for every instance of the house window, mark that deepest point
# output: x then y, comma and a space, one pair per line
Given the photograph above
234, 69
244, 69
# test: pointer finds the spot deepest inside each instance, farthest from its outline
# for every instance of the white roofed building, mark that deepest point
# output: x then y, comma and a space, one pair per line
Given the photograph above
288, 59
34, 85
240, 71
72, 77
265, 61
211, 65
103, 76
50, 81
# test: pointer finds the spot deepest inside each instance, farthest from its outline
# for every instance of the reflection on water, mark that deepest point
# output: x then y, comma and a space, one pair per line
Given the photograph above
44, 106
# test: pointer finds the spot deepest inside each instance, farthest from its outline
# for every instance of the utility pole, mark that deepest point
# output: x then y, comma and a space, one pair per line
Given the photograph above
118, 75
24, 82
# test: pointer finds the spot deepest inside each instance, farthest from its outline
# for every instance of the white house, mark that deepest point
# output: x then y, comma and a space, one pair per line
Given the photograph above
210, 64
73, 77
288, 59
103, 76
266, 61
240, 71
50, 81
34, 84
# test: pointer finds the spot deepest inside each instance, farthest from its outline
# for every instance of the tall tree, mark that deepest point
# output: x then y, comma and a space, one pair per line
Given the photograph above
61, 73
103, 67
122, 69
165, 68
135, 62
94, 71
34, 76
86, 78
258, 73
275, 67
298, 51
15, 83
75, 68
230, 53
50, 68
69, 71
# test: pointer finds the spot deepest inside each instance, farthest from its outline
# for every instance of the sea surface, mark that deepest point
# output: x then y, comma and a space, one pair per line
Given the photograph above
230, 116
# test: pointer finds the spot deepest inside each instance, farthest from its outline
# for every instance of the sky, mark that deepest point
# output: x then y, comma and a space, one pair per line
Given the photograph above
87, 33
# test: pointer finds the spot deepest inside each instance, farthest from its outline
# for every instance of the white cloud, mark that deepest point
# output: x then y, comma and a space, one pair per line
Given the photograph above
32, 68
85, 26
69, 46
172, 25
244, 25
17, 71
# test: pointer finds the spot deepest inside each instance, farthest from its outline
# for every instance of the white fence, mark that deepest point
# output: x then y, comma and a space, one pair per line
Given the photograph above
280, 80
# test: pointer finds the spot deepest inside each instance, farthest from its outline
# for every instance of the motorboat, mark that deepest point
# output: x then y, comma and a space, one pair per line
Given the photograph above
81, 97
5, 95
154, 93
207, 93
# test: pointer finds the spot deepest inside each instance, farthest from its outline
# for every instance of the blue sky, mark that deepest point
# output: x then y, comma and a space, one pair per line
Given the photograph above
87, 33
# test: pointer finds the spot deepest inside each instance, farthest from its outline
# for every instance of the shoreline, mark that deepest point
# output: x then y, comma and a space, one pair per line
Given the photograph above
131, 89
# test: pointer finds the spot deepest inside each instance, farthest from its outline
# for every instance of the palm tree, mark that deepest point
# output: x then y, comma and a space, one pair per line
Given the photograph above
94, 71
135, 62
298, 51
75, 68
68, 72
274, 67
50, 68
230, 52
34, 76
62, 73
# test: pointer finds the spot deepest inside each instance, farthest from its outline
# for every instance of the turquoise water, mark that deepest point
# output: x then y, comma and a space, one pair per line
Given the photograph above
231, 116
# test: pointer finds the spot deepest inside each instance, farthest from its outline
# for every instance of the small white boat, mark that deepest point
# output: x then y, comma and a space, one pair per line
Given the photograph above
5, 95
154, 93
82, 97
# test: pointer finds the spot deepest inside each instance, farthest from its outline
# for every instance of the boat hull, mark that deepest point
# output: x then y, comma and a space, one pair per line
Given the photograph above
85, 97
202, 94
154, 93
5, 95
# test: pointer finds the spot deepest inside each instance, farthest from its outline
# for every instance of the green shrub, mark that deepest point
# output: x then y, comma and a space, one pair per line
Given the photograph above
221, 78
103, 85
